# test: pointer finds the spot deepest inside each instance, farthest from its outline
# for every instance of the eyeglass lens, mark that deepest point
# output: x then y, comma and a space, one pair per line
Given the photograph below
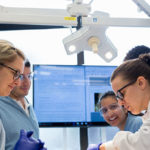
120, 95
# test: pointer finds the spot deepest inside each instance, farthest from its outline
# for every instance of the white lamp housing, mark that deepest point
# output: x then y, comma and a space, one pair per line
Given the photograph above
92, 39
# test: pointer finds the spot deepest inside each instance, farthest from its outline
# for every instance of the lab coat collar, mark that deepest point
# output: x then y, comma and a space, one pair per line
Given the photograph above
147, 114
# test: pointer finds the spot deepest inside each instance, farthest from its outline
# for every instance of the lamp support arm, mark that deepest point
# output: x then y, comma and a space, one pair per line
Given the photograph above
60, 17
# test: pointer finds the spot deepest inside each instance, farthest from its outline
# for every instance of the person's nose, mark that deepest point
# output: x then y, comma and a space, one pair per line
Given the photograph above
109, 112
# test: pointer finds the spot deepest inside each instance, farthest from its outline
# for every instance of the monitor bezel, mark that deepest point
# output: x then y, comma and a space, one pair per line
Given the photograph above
70, 124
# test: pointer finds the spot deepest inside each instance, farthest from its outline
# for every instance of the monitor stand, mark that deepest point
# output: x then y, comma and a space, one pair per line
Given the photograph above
83, 138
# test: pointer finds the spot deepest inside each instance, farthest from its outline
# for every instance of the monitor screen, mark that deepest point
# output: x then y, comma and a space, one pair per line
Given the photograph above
67, 95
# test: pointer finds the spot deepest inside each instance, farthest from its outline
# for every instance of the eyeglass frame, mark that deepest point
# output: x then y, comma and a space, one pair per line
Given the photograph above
16, 72
118, 97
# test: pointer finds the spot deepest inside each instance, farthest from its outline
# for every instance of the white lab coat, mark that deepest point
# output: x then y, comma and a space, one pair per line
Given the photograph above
139, 140
2, 136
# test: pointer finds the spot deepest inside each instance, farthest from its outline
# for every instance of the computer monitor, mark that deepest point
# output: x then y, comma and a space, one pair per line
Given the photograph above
67, 95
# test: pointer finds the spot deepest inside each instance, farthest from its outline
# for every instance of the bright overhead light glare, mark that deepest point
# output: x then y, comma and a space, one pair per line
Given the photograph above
108, 55
72, 48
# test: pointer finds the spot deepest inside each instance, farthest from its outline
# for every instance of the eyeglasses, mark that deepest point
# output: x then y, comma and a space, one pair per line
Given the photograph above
120, 96
27, 76
112, 107
17, 74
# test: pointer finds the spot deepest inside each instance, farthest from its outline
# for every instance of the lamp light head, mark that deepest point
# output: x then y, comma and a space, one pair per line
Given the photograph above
91, 39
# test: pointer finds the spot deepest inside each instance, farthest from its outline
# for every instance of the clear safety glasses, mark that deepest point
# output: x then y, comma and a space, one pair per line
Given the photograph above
111, 107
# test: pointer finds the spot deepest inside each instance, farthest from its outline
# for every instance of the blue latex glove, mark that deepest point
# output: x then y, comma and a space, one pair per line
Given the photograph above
26, 142
94, 146
42, 145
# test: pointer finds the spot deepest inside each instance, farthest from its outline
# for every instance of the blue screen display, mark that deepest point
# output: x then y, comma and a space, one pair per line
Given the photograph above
65, 95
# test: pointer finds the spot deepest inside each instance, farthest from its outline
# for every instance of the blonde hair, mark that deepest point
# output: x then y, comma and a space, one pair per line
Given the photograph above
8, 53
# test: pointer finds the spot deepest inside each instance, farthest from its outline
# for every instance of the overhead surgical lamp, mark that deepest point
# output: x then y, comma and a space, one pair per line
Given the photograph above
91, 34
90, 38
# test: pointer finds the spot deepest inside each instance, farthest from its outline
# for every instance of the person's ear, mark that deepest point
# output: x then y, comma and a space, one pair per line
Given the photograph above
141, 81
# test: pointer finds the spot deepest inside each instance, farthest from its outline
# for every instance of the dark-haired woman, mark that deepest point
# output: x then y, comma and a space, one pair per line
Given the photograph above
131, 84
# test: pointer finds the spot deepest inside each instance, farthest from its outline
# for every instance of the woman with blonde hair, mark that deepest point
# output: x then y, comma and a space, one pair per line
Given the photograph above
11, 69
